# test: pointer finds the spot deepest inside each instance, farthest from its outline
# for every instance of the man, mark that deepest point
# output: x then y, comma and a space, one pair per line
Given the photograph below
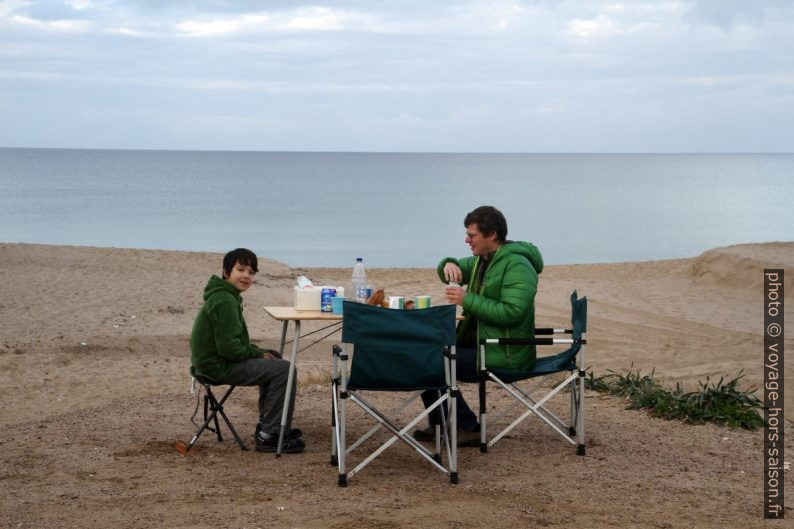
222, 351
501, 279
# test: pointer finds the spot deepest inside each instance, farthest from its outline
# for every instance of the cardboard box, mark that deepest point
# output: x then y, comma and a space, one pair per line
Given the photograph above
308, 298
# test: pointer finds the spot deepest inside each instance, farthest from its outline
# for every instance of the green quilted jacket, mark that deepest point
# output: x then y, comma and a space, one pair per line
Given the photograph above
220, 336
504, 305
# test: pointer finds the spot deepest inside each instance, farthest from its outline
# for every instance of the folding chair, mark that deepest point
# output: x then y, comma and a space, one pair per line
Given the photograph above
212, 408
395, 351
573, 430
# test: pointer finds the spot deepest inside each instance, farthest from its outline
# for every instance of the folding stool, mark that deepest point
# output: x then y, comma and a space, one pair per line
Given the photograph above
212, 408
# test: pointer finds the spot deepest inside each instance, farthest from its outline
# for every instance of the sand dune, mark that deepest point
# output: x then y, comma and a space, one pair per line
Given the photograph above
736, 267
93, 344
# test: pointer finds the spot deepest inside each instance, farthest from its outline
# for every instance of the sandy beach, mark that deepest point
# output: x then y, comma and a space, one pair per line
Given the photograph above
95, 386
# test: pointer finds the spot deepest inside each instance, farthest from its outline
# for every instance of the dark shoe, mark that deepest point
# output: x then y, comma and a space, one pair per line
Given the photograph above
294, 433
269, 442
465, 437
426, 435
468, 438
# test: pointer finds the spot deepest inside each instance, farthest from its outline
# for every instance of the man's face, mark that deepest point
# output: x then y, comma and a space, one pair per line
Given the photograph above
480, 244
241, 276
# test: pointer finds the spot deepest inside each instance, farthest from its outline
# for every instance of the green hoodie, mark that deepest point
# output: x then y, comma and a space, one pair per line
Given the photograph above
220, 336
505, 305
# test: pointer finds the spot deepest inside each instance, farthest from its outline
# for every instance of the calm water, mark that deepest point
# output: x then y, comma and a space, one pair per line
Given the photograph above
400, 210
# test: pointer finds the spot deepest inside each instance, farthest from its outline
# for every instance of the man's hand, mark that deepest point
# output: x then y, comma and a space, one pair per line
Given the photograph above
453, 273
455, 295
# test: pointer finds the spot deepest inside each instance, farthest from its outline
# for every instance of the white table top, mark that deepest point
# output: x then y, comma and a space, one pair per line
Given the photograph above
290, 314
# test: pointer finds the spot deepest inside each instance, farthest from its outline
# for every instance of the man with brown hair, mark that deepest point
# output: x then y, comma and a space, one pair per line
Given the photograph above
501, 280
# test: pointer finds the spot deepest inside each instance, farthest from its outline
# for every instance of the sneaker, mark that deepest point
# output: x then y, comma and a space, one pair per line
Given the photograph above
266, 442
294, 433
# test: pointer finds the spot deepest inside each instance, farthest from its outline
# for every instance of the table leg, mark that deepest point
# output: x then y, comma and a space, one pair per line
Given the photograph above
290, 382
334, 404
283, 338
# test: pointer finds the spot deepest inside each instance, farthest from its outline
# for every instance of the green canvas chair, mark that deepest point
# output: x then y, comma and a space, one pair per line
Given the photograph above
570, 361
395, 351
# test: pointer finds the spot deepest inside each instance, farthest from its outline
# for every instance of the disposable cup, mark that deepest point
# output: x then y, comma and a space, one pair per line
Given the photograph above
396, 302
422, 302
337, 304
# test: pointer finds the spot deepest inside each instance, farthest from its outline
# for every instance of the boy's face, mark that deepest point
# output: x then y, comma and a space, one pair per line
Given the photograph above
240, 276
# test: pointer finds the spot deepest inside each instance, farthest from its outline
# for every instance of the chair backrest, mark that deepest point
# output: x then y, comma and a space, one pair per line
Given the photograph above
397, 350
578, 315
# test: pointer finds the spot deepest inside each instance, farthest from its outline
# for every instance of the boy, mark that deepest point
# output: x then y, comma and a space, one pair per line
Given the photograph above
222, 352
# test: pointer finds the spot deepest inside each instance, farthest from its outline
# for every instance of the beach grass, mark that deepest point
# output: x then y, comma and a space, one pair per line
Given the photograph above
723, 402
318, 378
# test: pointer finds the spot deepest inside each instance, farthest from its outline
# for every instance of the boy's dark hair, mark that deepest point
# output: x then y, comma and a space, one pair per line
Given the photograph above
243, 256
488, 220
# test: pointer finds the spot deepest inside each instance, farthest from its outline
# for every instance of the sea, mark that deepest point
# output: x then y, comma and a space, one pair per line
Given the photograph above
403, 210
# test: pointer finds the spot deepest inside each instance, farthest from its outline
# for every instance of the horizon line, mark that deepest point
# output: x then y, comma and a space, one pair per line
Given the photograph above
319, 151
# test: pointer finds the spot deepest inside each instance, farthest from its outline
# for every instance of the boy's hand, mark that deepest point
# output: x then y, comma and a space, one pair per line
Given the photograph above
271, 354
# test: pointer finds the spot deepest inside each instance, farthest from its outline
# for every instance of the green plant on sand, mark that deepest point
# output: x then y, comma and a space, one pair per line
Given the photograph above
722, 403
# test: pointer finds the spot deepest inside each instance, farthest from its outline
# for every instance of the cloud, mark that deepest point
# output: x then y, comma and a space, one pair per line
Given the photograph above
447, 71
221, 27
549, 110
9, 7
600, 26
127, 32
317, 18
81, 5
57, 25
727, 13
648, 20
301, 19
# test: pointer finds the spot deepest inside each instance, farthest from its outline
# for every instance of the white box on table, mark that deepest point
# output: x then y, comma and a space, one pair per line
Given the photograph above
308, 298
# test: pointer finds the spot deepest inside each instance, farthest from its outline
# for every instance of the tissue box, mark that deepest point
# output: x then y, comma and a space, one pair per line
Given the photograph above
308, 298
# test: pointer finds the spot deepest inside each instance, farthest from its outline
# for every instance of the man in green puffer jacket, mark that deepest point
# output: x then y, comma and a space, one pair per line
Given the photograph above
222, 352
499, 302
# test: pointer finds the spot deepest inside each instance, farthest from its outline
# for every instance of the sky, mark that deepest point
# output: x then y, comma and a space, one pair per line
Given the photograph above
399, 76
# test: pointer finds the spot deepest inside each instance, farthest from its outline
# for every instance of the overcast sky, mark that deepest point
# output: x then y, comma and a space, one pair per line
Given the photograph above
501, 76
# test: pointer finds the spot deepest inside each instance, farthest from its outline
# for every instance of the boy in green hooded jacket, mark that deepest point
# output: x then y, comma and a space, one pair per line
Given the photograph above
222, 352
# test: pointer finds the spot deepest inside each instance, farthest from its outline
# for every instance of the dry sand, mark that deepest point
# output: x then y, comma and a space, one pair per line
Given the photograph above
95, 390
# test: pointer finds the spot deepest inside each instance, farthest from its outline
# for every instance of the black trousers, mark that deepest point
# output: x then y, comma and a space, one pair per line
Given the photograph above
466, 371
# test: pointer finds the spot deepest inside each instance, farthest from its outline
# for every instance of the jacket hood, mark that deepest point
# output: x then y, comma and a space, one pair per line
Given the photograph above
527, 249
216, 284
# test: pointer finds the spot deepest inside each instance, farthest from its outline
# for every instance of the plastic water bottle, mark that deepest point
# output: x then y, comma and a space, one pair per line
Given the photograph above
359, 281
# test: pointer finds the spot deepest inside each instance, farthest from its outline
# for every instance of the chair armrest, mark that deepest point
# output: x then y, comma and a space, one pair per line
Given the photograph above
529, 341
550, 330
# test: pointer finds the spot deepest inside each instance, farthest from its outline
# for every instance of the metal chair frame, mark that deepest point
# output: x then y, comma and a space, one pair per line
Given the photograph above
571, 430
446, 433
